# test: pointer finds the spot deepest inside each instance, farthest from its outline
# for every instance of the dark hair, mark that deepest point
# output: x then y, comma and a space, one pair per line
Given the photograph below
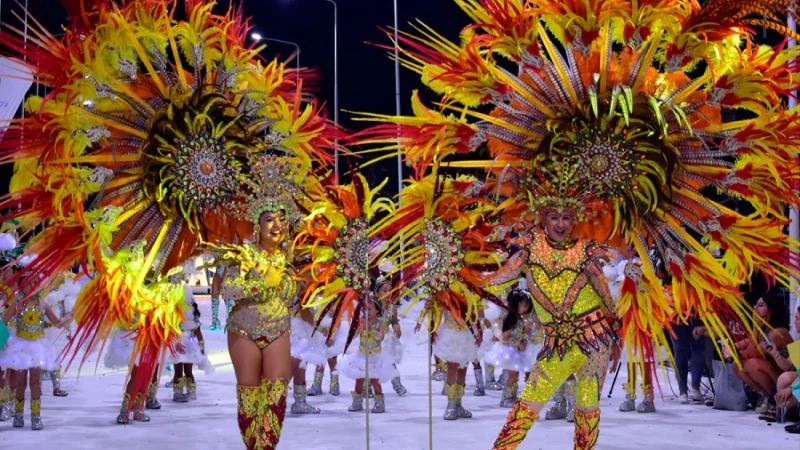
515, 299
195, 311
373, 298
775, 299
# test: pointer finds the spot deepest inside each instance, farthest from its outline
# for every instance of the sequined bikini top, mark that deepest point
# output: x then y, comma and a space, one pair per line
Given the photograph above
260, 277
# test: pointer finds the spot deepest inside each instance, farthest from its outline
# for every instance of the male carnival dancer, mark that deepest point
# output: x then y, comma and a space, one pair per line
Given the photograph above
573, 303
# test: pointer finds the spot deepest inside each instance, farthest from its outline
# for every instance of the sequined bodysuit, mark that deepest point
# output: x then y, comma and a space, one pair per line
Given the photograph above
263, 289
573, 304
370, 338
29, 321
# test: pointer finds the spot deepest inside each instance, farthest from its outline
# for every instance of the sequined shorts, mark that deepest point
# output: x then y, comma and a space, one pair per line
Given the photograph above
249, 319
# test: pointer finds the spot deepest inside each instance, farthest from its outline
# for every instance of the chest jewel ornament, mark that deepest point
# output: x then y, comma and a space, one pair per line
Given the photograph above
443, 255
351, 254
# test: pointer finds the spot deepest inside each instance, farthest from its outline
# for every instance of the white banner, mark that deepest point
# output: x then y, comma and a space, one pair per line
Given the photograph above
15, 80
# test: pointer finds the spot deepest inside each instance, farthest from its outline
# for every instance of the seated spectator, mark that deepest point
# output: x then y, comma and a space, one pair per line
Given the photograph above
760, 369
786, 397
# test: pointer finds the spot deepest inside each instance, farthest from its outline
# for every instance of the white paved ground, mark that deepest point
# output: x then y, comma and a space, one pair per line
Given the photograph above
85, 419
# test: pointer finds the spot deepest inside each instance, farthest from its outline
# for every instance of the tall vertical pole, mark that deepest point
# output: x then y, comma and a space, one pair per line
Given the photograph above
794, 214
335, 84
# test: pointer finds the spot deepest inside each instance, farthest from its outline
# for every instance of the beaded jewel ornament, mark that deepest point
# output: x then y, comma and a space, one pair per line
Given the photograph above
271, 187
443, 254
351, 254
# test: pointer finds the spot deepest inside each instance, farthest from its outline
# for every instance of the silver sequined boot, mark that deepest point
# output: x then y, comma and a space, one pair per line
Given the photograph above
509, 396
500, 384
559, 410
358, 402
368, 390
138, 409
441, 372
489, 380
570, 394
444, 389
380, 406
6, 405
36, 415
480, 388
178, 396
152, 402
125, 410
334, 387
398, 387
630, 400
300, 406
316, 386
648, 404
191, 389
454, 410
55, 377
19, 411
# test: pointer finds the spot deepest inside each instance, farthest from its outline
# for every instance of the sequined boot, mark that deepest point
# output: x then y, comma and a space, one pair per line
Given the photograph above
125, 410
272, 411
178, 395
380, 406
19, 410
509, 396
648, 404
441, 371
630, 399
455, 394
300, 406
138, 409
444, 389
6, 410
570, 394
559, 410
398, 387
518, 423
36, 414
215, 314
587, 429
316, 386
480, 388
501, 381
248, 408
334, 387
152, 402
55, 377
191, 389
489, 380
358, 402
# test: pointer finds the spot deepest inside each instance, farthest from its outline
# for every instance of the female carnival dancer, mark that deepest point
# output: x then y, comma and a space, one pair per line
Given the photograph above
614, 129
141, 153
28, 352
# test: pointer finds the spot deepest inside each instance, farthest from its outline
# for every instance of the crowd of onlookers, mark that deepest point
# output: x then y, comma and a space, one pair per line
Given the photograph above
765, 379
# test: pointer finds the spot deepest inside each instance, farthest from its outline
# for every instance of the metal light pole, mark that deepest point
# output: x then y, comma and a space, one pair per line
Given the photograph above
257, 37
335, 84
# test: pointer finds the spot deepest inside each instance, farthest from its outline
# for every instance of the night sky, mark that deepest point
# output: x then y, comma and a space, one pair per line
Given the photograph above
366, 72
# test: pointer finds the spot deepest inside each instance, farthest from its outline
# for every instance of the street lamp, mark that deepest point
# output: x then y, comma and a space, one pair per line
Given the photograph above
258, 37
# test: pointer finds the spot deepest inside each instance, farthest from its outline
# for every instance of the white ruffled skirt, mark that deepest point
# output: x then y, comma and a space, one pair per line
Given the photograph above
339, 340
455, 346
381, 368
510, 358
23, 354
305, 347
192, 354
120, 348
392, 347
